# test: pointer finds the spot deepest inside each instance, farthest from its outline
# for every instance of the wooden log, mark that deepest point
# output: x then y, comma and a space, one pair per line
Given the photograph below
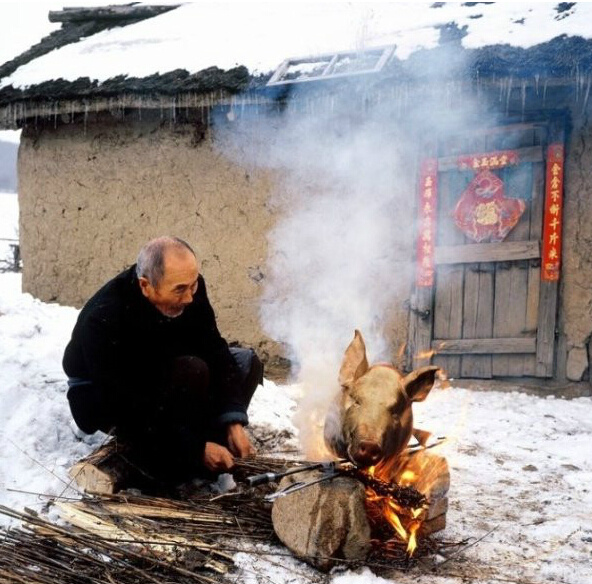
495, 346
115, 529
426, 471
115, 13
104, 471
488, 252
432, 525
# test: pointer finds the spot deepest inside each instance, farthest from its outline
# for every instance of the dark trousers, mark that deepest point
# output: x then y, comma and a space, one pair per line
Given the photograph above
168, 440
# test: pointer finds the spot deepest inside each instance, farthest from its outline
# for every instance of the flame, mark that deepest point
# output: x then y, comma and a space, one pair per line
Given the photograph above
405, 522
412, 545
442, 377
401, 350
406, 470
390, 512
407, 478
425, 354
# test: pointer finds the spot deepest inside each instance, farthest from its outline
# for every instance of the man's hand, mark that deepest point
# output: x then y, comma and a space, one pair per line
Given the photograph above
217, 458
239, 442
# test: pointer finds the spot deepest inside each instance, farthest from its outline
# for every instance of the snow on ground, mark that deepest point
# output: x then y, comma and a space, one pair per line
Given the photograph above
521, 465
8, 224
260, 35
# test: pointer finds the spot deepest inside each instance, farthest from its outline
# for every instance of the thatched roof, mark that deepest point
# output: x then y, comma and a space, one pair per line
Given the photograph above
78, 23
563, 61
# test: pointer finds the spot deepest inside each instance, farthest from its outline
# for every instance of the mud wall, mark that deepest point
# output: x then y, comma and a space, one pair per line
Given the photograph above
575, 310
90, 197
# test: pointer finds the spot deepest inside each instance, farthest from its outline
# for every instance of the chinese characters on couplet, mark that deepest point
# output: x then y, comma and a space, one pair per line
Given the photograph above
491, 160
426, 239
553, 214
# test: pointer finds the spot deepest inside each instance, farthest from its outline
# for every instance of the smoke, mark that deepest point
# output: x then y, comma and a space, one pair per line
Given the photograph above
341, 252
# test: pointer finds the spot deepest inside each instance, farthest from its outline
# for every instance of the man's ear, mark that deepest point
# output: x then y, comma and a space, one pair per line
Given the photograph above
419, 383
145, 286
354, 363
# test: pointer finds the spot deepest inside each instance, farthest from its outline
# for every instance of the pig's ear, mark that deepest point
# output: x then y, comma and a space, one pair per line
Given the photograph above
354, 363
420, 382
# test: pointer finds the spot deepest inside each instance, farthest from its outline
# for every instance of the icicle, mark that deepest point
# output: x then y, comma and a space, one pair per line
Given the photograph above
586, 95
545, 91
85, 122
509, 94
536, 83
523, 89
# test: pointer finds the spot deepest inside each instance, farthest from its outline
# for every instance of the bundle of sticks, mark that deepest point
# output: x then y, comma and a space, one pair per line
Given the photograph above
129, 537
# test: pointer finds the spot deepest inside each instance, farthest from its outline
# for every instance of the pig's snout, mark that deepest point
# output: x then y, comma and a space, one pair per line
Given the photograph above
367, 453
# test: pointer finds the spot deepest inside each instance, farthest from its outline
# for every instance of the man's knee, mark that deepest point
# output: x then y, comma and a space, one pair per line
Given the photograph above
249, 364
190, 373
88, 407
257, 369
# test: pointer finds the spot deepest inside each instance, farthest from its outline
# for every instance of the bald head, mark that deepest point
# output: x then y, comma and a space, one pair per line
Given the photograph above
168, 274
151, 259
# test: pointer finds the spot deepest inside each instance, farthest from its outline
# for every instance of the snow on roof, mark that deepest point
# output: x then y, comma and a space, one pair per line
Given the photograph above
260, 35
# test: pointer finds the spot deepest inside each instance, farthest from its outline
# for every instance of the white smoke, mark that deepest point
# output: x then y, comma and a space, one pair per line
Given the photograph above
341, 253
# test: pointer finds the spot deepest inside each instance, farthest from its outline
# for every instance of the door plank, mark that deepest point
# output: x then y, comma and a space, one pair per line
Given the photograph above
546, 329
496, 346
448, 297
448, 314
488, 252
534, 270
528, 154
548, 298
478, 317
510, 302
421, 325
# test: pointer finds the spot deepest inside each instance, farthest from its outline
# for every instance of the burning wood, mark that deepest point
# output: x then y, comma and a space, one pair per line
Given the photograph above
382, 512
127, 538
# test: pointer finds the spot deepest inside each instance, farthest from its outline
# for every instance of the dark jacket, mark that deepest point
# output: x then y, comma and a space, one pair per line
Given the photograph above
125, 347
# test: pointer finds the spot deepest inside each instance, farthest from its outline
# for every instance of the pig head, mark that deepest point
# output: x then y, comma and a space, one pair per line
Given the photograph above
371, 419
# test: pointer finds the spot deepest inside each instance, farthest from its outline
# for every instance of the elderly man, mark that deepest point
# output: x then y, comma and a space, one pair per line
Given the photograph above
147, 363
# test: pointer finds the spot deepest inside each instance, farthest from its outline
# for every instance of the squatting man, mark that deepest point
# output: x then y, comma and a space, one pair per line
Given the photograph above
147, 364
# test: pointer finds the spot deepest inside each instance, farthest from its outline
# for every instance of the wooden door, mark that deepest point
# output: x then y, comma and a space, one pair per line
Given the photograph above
488, 313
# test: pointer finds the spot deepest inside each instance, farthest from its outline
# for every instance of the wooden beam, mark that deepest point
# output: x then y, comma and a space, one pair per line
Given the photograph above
546, 329
115, 13
484, 346
549, 291
420, 326
529, 154
488, 252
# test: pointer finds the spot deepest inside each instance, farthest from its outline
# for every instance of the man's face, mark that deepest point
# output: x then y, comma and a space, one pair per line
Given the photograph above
178, 285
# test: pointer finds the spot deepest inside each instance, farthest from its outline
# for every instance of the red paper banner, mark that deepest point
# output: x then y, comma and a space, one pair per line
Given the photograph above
488, 160
426, 238
553, 214
483, 212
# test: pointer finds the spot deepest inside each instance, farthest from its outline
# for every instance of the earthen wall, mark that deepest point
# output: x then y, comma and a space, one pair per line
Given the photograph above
89, 198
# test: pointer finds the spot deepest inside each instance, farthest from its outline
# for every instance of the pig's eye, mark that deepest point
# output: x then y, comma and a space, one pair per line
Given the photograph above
350, 402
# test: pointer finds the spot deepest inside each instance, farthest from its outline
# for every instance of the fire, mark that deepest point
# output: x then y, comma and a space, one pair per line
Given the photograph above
443, 378
407, 478
426, 354
404, 521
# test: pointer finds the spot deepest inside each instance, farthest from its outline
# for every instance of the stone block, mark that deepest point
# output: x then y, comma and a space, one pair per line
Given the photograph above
323, 522
577, 363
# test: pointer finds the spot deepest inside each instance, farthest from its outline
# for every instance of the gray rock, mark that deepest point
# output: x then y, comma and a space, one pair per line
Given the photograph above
577, 363
324, 522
